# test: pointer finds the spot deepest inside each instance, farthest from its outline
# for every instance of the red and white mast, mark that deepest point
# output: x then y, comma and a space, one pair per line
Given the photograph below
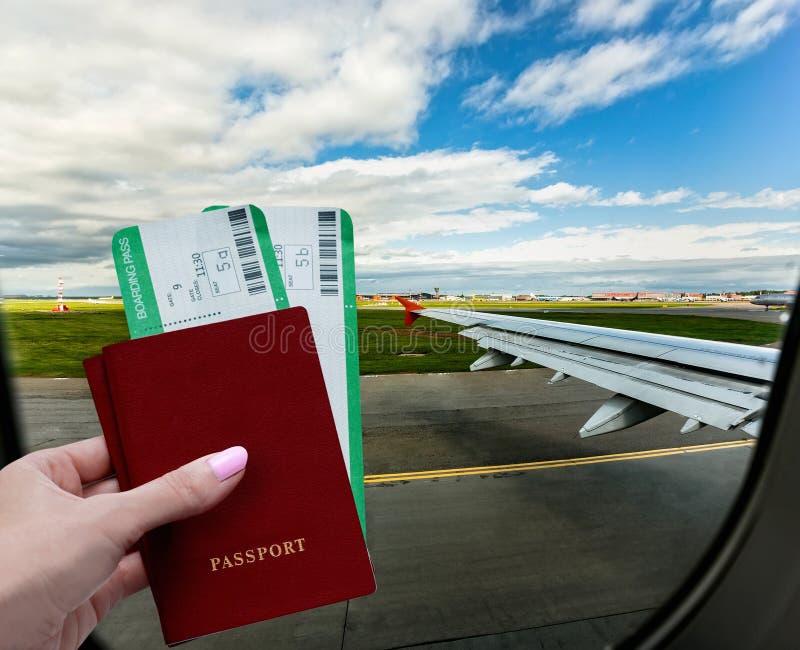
60, 306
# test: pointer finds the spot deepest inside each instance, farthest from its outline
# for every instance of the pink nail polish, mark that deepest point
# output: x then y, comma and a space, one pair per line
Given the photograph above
228, 462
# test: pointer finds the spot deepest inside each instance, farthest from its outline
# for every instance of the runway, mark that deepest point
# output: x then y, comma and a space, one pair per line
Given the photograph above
490, 523
744, 311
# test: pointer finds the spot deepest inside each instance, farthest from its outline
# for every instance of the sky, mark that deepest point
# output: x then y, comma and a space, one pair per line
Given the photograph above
544, 146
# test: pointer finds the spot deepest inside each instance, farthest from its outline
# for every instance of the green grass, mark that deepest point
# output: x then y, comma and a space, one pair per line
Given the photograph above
514, 304
443, 351
43, 344
384, 340
733, 330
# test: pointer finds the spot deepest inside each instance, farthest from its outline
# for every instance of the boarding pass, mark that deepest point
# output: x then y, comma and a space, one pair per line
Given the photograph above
313, 249
198, 269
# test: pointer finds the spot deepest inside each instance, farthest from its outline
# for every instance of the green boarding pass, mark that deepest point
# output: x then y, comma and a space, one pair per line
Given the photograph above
314, 251
199, 269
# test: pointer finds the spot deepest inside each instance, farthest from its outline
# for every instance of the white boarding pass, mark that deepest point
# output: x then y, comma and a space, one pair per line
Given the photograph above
195, 270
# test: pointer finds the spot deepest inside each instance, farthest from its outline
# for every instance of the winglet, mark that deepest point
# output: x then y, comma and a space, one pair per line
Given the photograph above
410, 307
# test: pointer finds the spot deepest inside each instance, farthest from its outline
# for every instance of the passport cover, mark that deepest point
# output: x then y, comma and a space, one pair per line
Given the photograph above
98, 384
288, 538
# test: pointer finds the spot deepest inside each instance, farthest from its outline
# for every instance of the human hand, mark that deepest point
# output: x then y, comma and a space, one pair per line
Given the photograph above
64, 560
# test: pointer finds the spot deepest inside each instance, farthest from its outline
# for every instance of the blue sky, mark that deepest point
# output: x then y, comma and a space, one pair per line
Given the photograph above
704, 129
547, 145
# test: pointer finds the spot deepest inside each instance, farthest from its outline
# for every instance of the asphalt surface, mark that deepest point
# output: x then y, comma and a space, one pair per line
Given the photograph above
566, 556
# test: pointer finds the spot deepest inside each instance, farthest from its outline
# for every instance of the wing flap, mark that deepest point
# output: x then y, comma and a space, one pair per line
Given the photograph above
722, 402
715, 356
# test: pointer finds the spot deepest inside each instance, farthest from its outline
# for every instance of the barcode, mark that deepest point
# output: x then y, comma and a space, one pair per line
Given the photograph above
246, 249
328, 258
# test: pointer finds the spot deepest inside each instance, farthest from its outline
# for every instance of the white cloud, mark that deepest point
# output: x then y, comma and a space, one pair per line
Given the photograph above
765, 199
755, 25
562, 193
478, 220
192, 87
392, 198
482, 96
612, 14
580, 278
541, 7
552, 90
632, 198
401, 197
683, 10
615, 245
581, 259
721, 4
684, 242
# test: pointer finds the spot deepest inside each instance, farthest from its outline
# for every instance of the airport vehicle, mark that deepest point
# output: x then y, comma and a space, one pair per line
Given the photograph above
544, 298
775, 300
724, 385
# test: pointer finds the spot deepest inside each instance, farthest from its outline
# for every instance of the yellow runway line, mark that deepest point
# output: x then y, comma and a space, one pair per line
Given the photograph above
552, 464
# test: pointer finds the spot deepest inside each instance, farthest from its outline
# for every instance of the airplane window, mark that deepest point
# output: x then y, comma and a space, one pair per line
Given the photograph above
488, 492
557, 316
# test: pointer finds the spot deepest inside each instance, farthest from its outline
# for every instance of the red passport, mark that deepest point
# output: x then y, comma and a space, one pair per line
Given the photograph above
98, 383
289, 537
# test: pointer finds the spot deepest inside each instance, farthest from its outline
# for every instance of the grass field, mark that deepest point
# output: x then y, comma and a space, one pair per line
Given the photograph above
42, 344
519, 304
54, 345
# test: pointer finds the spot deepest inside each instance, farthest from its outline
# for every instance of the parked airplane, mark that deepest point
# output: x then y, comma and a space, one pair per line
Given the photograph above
725, 385
775, 300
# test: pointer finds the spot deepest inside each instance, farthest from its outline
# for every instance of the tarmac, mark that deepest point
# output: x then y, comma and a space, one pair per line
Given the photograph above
568, 543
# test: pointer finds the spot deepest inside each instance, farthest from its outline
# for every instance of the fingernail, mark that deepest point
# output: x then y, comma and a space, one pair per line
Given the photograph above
227, 463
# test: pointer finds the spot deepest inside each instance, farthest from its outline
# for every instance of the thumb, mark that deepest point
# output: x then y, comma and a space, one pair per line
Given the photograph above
189, 490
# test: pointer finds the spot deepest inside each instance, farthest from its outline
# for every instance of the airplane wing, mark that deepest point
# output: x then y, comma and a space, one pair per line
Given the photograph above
725, 385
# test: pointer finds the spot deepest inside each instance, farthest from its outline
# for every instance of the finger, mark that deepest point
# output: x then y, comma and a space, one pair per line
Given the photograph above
89, 457
108, 486
72, 465
189, 490
128, 578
